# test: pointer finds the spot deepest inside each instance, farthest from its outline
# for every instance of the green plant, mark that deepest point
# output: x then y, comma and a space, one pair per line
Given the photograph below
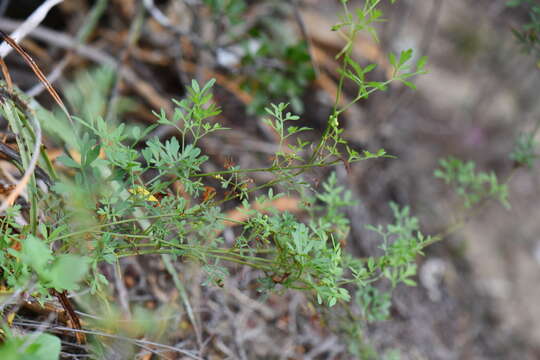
523, 153
524, 150
274, 64
115, 199
111, 202
529, 34
473, 186
231, 10
277, 71
38, 346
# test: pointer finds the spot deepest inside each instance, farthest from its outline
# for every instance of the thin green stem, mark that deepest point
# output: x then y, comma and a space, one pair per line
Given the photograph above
119, 222
176, 252
362, 96
458, 224
267, 169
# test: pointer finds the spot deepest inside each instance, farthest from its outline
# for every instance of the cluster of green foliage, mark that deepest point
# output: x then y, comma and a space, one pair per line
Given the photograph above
528, 37
274, 63
41, 346
229, 12
278, 71
473, 186
115, 200
529, 34
524, 150
106, 205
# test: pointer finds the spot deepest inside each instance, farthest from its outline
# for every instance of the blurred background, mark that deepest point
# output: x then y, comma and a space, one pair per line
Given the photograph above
478, 290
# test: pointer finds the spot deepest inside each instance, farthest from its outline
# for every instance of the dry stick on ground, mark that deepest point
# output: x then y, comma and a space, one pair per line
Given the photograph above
166, 23
37, 71
62, 40
132, 38
82, 36
28, 25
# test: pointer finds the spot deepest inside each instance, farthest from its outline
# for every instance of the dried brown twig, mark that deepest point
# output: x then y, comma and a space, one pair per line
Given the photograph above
35, 68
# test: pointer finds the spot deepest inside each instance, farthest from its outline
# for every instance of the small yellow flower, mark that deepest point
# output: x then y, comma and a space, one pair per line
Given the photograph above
143, 193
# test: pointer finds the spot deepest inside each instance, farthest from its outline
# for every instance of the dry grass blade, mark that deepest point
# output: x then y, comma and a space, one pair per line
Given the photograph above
146, 91
5, 72
35, 68
8, 201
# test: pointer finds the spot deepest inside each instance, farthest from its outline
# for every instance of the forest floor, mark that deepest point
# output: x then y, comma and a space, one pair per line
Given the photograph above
477, 290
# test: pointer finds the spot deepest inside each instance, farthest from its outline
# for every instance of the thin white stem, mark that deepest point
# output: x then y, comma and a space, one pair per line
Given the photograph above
28, 25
